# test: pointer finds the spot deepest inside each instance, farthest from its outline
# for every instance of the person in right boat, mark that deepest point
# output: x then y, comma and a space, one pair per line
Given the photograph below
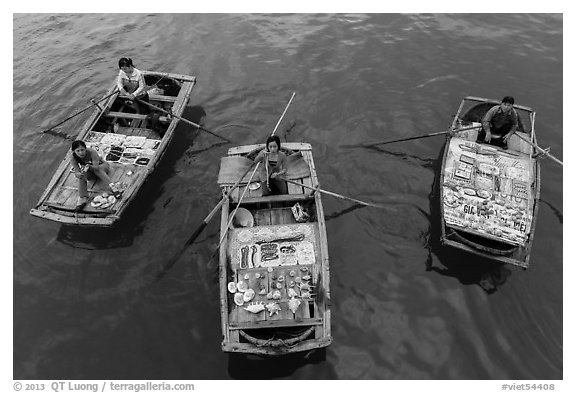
274, 167
499, 123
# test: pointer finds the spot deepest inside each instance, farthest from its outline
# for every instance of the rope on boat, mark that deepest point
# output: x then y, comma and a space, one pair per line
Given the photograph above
275, 343
455, 236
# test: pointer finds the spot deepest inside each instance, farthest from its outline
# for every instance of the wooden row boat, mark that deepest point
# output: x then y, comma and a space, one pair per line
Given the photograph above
132, 143
489, 196
274, 270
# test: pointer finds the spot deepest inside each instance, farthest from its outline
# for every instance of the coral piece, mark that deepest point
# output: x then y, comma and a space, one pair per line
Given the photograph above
273, 308
293, 304
255, 308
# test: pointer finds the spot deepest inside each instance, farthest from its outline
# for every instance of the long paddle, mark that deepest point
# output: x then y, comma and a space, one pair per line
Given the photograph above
201, 227
544, 151
82, 111
333, 194
183, 119
216, 208
409, 138
252, 175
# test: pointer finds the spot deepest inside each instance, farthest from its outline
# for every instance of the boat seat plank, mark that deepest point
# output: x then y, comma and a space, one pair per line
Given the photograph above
124, 115
277, 198
139, 131
161, 98
275, 323
239, 150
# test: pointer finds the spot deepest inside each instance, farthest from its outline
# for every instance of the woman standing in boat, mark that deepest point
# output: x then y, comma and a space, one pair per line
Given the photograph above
499, 123
88, 165
274, 167
131, 84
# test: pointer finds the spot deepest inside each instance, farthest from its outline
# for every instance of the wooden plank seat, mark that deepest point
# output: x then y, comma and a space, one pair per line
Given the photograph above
162, 98
133, 116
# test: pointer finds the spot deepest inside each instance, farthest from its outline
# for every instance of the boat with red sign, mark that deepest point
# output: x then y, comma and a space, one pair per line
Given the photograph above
489, 195
274, 270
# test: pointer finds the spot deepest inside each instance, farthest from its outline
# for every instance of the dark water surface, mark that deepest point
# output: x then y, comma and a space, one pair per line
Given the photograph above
84, 303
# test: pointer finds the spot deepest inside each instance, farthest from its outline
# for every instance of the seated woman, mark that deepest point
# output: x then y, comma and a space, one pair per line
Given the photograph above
131, 84
274, 167
88, 165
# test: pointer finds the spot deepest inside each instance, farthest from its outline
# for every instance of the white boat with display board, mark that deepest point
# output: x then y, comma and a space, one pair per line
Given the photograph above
131, 143
489, 195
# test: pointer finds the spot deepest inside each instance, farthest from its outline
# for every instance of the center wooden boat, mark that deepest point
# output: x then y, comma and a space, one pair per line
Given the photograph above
274, 269
132, 143
488, 195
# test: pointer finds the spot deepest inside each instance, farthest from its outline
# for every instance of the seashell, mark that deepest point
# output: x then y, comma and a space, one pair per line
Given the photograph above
273, 308
280, 278
270, 269
249, 295
293, 304
111, 199
304, 287
276, 295
255, 308
241, 286
306, 295
105, 195
292, 292
304, 269
98, 199
269, 295
246, 276
306, 277
239, 299
292, 273
279, 285
257, 275
292, 284
232, 287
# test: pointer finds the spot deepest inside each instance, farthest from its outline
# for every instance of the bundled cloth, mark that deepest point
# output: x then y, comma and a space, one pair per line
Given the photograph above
231, 168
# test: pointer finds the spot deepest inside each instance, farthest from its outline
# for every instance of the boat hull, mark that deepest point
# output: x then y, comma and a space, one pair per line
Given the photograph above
489, 196
131, 143
284, 261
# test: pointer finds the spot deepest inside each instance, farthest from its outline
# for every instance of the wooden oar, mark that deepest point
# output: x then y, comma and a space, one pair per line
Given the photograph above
183, 119
333, 194
252, 175
544, 151
410, 138
82, 111
201, 227
217, 207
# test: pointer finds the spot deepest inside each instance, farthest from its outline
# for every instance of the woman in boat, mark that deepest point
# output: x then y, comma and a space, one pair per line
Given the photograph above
131, 84
499, 123
274, 167
88, 165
